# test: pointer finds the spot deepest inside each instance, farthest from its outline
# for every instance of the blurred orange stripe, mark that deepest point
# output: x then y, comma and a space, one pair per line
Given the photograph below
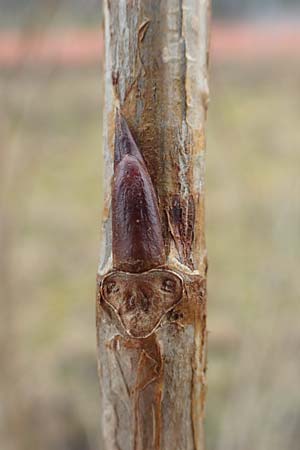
63, 48
236, 42
248, 42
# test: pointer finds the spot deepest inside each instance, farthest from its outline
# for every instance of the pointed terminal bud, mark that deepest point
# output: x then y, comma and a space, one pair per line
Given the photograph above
137, 240
124, 142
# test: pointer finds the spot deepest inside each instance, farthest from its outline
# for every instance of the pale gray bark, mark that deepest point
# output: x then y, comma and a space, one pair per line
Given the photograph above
153, 391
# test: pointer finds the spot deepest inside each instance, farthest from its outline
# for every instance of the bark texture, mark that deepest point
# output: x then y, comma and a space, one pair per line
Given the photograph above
153, 388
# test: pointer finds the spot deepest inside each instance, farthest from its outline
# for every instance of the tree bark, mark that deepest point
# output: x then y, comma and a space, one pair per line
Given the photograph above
156, 59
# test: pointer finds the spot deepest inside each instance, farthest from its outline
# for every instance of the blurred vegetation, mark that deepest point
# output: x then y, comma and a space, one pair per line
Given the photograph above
51, 184
37, 13
51, 201
253, 222
254, 8
16, 13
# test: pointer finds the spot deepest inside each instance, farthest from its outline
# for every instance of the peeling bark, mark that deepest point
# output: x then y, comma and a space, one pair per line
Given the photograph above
153, 383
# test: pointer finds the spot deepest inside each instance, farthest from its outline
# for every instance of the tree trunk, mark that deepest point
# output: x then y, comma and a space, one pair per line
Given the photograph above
153, 369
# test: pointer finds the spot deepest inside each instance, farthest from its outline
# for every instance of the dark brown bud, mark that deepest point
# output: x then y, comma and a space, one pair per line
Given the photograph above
137, 240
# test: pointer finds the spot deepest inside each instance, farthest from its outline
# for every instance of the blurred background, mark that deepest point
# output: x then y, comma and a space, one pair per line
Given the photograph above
51, 56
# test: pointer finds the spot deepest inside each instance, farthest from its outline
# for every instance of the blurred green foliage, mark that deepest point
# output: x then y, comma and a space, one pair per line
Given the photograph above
51, 178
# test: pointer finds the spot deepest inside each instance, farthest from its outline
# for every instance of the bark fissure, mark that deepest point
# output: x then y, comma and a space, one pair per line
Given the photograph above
151, 324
